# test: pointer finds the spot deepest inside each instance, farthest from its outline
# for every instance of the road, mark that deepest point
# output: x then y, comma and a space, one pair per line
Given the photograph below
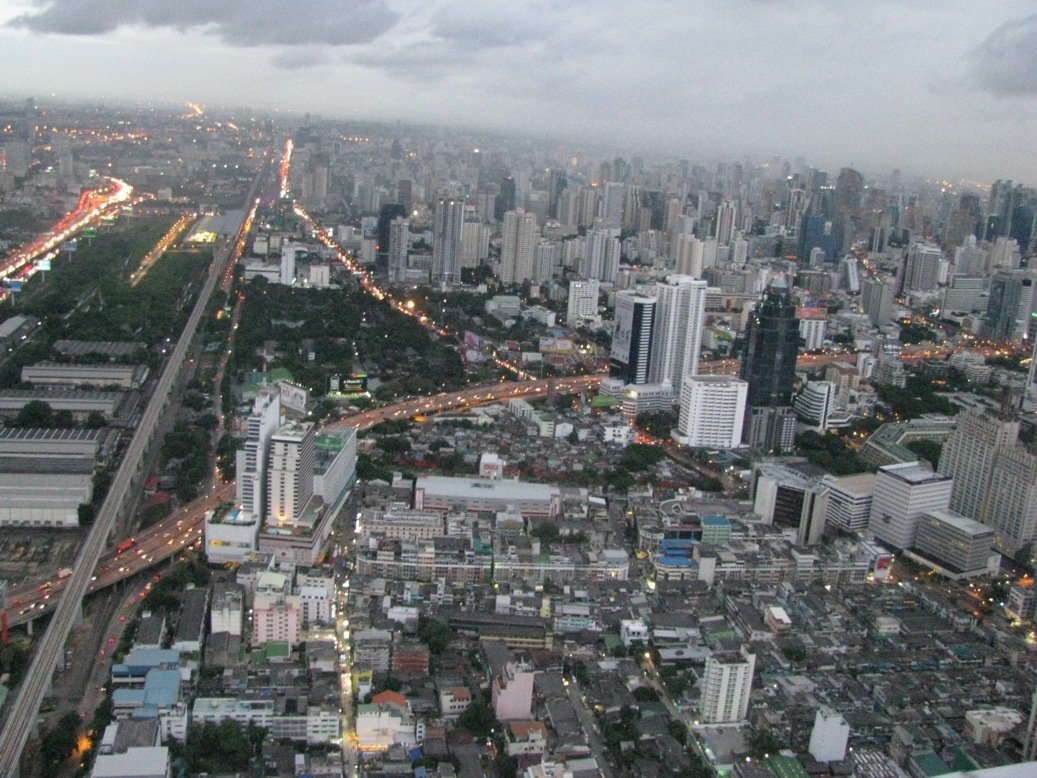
467, 398
93, 204
22, 714
590, 727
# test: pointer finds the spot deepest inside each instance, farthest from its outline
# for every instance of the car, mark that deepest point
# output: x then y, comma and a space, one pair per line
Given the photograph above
122, 617
111, 640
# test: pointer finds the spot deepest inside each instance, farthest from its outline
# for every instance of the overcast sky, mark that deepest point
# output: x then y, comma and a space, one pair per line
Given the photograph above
945, 88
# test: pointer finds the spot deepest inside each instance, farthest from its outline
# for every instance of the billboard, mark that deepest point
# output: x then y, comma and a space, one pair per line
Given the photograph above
471, 339
293, 396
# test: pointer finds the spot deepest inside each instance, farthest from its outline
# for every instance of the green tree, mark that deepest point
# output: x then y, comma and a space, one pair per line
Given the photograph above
58, 744
762, 741
35, 413
434, 634
87, 513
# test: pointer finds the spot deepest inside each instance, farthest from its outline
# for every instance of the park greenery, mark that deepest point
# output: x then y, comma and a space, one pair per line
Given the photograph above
350, 331
830, 452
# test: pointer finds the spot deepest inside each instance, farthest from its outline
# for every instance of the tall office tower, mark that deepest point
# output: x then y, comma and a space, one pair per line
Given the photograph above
505, 199
769, 366
583, 301
548, 258
399, 241
250, 460
794, 205
968, 458
816, 232
1012, 300
289, 472
1029, 399
475, 239
673, 209
556, 184
518, 246
386, 214
877, 300
689, 255
921, 271
603, 253
568, 207
1011, 509
999, 209
447, 224
969, 259
712, 411
849, 187
851, 274
677, 337
587, 209
962, 221
631, 355
726, 685
612, 200
739, 252
725, 222
903, 492
1004, 255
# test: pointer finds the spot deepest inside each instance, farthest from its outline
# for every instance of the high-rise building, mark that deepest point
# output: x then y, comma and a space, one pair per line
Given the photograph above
689, 250
630, 358
816, 232
769, 367
447, 224
848, 501
251, 459
583, 301
725, 222
289, 473
603, 253
903, 492
518, 247
922, 268
968, 457
1010, 305
813, 404
877, 300
1029, 398
726, 685
849, 187
556, 184
812, 323
712, 411
955, 542
399, 241
677, 336
505, 199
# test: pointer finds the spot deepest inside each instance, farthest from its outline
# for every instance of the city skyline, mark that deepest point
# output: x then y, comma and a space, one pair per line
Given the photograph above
942, 92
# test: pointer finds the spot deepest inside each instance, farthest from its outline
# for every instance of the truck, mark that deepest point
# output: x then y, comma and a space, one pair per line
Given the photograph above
125, 545
64, 572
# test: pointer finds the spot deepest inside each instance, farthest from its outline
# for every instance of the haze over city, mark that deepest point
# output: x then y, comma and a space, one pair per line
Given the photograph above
944, 90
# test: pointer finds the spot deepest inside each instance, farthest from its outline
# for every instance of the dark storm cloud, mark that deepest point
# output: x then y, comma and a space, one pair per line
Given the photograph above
254, 23
1005, 64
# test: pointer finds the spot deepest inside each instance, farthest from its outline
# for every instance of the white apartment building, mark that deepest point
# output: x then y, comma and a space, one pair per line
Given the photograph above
712, 411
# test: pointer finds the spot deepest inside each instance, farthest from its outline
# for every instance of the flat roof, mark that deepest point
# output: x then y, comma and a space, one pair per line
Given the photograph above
481, 488
961, 523
913, 473
148, 761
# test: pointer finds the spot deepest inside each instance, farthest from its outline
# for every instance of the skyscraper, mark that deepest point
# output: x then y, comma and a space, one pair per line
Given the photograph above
399, 239
505, 199
603, 251
677, 337
877, 300
518, 247
922, 268
725, 223
995, 477
448, 222
251, 460
289, 474
630, 358
769, 366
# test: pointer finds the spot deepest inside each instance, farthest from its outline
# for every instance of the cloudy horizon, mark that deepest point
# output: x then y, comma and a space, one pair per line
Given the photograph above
948, 91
